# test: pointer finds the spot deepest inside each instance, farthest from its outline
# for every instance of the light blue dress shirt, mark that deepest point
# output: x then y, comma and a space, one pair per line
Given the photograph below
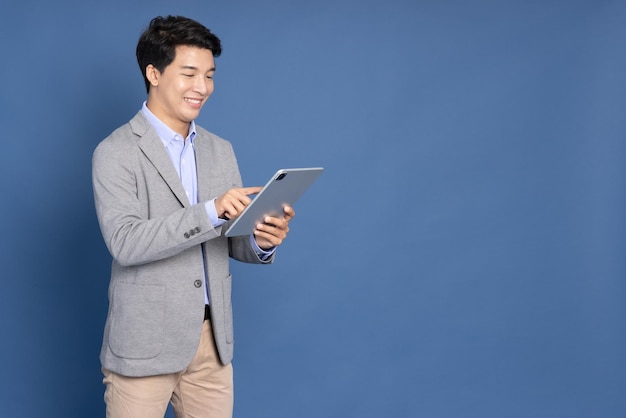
182, 153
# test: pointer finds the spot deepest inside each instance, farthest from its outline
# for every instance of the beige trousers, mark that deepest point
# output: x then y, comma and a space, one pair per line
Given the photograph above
203, 390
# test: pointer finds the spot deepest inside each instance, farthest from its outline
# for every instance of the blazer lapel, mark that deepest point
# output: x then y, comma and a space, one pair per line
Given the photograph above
153, 148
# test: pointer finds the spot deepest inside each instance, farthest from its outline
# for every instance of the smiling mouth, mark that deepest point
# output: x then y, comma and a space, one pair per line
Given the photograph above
193, 101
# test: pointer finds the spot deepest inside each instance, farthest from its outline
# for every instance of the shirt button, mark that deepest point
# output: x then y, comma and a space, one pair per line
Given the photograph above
197, 283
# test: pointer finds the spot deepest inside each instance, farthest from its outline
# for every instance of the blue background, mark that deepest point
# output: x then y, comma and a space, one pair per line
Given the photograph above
461, 256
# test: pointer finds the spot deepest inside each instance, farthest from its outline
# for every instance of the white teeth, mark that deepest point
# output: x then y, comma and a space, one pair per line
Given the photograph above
197, 101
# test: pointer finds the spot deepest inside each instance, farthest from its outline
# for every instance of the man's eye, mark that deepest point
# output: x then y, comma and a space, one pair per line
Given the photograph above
188, 75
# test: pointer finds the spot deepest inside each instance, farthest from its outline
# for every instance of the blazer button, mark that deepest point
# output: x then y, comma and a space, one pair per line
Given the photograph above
192, 232
197, 229
186, 235
198, 283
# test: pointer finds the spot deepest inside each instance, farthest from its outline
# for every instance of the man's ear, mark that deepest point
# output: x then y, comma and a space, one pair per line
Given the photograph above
153, 75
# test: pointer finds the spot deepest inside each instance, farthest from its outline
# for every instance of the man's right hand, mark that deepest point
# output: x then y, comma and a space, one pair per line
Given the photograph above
232, 203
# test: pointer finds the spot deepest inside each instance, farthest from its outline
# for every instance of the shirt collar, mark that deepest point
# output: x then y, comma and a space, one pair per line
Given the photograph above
164, 132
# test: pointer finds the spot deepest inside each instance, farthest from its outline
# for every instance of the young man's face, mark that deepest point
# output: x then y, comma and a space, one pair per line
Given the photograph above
178, 93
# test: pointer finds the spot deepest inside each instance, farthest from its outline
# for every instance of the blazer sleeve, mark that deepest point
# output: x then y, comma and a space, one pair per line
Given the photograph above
140, 224
240, 249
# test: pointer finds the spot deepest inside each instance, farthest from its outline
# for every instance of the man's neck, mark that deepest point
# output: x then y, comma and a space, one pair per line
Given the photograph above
181, 128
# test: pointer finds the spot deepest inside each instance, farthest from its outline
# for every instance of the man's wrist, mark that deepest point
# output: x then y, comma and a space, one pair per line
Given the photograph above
211, 211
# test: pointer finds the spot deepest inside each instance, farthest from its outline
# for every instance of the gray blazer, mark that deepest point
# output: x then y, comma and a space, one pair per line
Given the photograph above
159, 243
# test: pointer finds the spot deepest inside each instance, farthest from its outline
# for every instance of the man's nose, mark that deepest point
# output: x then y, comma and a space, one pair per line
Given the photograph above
202, 85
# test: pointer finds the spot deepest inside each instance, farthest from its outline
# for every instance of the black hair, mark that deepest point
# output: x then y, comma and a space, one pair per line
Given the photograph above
157, 44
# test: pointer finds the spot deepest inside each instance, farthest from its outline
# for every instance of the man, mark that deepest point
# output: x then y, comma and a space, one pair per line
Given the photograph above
164, 191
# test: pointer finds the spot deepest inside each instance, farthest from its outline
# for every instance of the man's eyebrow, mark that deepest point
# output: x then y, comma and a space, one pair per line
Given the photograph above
191, 67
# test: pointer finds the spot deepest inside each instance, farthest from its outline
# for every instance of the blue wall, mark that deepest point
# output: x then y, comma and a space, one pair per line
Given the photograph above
462, 255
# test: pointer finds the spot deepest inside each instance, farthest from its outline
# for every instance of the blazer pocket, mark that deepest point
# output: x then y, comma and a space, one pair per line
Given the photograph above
137, 321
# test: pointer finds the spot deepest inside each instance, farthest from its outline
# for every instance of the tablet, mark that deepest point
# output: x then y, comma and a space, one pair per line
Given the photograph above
283, 189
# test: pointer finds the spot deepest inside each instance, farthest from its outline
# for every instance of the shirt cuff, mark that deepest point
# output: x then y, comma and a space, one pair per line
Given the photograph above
211, 212
263, 254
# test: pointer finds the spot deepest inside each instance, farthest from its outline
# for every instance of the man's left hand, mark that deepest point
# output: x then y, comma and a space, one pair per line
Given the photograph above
273, 231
